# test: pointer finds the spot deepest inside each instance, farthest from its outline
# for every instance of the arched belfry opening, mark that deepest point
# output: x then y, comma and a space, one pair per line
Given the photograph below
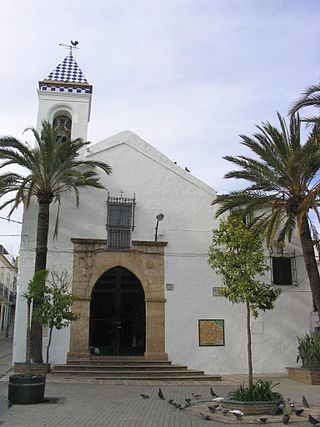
117, 315
62, 122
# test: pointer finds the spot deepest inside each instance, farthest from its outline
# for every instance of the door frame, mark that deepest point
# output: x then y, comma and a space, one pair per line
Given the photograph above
145, 260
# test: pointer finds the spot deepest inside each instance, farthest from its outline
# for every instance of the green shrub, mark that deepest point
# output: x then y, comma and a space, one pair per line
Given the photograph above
261, 391
309, 349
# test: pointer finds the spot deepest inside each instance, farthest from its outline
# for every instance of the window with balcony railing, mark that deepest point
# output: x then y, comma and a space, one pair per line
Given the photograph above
120, 221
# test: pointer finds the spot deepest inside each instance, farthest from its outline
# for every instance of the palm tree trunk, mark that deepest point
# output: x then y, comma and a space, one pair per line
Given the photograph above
40, 264
250, 369
310, 263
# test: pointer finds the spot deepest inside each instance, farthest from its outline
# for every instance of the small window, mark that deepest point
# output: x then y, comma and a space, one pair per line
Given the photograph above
120, 221
282, 271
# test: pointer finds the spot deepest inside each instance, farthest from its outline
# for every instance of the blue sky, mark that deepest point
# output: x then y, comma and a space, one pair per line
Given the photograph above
188, 76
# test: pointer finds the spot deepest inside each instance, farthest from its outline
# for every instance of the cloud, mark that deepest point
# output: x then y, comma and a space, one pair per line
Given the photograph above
188, 76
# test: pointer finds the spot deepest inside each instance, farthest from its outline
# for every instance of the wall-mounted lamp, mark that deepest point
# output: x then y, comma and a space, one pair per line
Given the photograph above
159, 218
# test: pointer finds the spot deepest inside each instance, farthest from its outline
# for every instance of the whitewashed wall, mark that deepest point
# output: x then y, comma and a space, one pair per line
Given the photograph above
163, 187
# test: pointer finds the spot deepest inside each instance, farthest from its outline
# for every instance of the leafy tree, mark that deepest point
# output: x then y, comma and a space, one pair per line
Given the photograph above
283, 188
54, 166
309, 98
55, 309
237, 255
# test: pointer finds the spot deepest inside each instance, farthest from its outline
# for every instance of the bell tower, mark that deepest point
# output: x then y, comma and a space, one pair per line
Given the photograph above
65, 99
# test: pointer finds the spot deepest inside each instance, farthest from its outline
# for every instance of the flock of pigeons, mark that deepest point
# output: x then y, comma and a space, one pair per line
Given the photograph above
285, 408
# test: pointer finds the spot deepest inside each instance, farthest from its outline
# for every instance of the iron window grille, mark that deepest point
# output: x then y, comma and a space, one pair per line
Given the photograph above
120, 221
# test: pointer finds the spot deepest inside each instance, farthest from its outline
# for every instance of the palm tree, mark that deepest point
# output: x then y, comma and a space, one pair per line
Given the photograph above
309, 98
52, 167
283, 188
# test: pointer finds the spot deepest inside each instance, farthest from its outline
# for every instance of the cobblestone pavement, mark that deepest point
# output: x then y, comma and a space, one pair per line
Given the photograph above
5, 355
120, 405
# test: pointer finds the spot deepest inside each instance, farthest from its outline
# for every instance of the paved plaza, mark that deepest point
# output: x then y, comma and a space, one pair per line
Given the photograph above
119, 404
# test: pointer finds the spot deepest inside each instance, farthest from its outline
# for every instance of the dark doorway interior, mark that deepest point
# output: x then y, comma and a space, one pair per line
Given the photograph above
117, 315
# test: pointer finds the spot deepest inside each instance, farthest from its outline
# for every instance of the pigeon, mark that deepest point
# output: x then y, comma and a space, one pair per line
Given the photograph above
212, 409
204, 416
183, 406
160, 394
305, 402
238, 414
291, 402
225, 411
262, 420
145, 396
313, 420
212, 392
278, 409
285, 419
187, 400
170, 401
196, 396
218, 399
298, 412
177, 405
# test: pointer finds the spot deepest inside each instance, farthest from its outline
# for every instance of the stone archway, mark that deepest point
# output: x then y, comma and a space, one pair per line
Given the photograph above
117, 315
146, 261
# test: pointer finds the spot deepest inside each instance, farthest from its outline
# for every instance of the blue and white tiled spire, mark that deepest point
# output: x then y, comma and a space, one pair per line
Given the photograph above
66, 77
67, 71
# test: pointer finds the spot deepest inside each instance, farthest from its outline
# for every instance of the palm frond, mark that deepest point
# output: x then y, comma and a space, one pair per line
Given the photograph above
310, 97
52, 167
282, 176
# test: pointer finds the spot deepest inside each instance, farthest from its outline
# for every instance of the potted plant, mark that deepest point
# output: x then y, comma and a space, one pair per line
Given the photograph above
309, 353
29, 387
259, 398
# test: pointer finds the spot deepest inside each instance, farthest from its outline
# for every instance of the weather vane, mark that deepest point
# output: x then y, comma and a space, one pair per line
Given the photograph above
71, 46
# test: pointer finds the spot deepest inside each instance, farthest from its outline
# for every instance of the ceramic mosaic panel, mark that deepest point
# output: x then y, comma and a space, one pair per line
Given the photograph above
211, 332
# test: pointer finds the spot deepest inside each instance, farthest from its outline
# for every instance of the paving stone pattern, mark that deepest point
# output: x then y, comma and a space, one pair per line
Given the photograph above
121, 405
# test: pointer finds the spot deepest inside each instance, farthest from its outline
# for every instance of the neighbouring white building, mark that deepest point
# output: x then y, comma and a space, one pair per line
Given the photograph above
8, 290
143, 291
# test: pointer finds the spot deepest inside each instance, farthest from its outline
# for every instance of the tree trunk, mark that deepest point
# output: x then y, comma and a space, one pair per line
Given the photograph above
250, 369
48, 346
28, 360
310, 263
40, 264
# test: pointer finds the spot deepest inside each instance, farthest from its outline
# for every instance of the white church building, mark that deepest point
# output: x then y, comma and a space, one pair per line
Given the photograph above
136, 255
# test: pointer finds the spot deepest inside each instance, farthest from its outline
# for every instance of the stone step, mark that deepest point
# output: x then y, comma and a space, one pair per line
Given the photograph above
119, 363
118, 367
166, 378
128, 368
125, 373
120, 377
